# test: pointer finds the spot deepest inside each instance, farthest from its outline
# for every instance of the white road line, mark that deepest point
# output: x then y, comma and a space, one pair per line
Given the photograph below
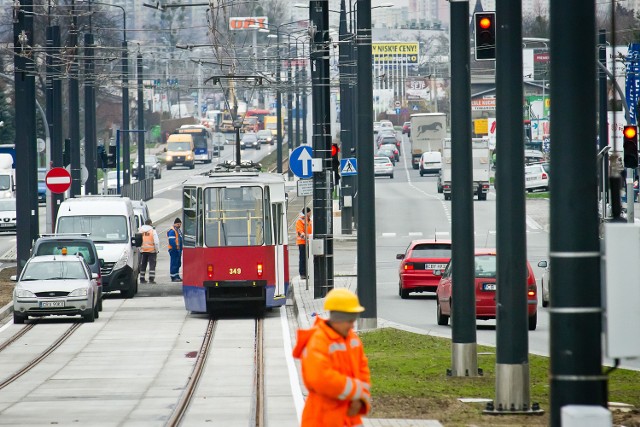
294, 379
388, 235
415, 233
531, 223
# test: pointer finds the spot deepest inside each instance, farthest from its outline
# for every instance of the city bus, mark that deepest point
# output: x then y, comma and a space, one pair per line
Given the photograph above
203, 149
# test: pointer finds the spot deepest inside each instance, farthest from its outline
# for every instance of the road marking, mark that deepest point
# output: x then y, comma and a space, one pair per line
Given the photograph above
388, 234
415, 233
531, 223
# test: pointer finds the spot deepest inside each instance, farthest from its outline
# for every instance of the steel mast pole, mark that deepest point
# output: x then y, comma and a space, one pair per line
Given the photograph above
576, 310
464, 355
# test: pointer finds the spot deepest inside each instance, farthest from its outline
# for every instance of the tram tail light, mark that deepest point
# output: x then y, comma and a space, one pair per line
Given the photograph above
259, 269
210, 271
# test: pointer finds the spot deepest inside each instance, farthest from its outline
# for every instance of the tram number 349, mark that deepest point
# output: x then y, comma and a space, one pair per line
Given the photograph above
235, 271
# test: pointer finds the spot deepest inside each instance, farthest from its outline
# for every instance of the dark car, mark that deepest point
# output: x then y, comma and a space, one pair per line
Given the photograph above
56, 244
42, 186
389, 140
406, 128
393, 148
151, 165
249, 140
387, 153
419, 261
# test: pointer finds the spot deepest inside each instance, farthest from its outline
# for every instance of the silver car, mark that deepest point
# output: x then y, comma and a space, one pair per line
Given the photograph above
382, 166
545, 283
8, 214
58, 285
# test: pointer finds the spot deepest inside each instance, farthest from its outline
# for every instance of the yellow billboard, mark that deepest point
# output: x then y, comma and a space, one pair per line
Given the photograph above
395, 52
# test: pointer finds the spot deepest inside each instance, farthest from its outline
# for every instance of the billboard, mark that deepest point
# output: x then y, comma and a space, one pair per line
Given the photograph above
248, 22
395, 52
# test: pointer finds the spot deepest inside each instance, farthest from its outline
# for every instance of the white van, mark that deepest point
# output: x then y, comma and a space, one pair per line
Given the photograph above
111, 224
430, 162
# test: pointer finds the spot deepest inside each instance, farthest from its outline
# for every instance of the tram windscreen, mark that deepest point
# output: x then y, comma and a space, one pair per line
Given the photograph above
234, 216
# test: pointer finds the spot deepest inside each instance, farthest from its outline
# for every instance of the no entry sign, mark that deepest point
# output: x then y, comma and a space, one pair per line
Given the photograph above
58, 180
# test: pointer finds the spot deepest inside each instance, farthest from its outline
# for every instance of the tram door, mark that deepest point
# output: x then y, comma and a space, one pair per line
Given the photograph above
278, 235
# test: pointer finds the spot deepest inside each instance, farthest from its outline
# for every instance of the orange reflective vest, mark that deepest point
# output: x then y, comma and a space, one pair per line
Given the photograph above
335, 371
148, 244
300, 234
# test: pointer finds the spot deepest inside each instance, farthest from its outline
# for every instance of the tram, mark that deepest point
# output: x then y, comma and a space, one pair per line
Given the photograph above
235, 241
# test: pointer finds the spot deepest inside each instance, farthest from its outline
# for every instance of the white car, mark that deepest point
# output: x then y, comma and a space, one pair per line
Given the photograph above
386, 124
536, 177
8, 214
112, 180
430, 162
382, 166
545, 283
58, 285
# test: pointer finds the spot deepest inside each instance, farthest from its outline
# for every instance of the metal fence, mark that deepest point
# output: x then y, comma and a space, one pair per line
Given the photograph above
139, 190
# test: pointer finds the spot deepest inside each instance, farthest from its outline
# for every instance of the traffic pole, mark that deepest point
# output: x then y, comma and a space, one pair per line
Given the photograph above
464, 355
74, 108
142, 173
576, 376
90, 140
512, 321
345, 120
366, 181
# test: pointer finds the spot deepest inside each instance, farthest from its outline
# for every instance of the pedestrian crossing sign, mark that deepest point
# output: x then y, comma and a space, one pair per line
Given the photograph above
349, 167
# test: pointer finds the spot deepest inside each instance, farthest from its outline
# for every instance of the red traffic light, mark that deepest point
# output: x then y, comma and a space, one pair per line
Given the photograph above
334, 150
484, 23
630, 131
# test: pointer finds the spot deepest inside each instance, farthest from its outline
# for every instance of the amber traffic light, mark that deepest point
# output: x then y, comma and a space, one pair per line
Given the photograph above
630, 146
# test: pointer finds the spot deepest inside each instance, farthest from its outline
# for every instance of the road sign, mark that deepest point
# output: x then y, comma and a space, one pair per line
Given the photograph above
58, 180
349, 167
305, 187
300, 162
397, 104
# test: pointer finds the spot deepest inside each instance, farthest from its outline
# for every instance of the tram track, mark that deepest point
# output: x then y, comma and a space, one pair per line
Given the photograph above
15, 337
43, 355
258, 407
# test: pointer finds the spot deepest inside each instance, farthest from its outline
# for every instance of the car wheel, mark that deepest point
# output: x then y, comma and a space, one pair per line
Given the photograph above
96, 311
533, 321
391, 176
441, 318
447, 196
18, 319
404, 293
192, 166
90, 315
100, 301
545, 303
421, 173
157, 175
258, 148
169, 167
440, 189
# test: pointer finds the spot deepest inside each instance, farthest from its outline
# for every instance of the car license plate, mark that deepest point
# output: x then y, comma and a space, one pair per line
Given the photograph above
6, 224
434, 266
531, 178
488, 286
51, 304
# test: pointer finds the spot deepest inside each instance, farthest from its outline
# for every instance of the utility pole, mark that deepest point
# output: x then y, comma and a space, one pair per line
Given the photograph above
74, 107
54, 109
90, 143
512, 324
278, 107
366, 186
576, 310
25, 140
141, 163
289, 103
464, 355
322, 202
346, 124
603, 125
125, 105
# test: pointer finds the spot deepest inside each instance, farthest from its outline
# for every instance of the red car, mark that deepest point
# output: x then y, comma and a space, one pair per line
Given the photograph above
419, 261
485, 285
406, 128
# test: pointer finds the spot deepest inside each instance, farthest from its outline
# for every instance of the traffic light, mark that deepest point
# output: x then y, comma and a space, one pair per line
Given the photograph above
485, 35
111, 157
630, 146
101, 157
335, 163
66, 153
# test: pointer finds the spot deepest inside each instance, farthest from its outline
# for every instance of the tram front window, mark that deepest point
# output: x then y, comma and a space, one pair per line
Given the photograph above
233, 216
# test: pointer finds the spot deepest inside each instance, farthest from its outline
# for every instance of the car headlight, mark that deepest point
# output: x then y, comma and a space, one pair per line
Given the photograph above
123, 260
80, 292
23, 293
168, 158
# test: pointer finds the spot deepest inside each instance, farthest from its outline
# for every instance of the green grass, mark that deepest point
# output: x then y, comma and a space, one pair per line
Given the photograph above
409, 381
538, 195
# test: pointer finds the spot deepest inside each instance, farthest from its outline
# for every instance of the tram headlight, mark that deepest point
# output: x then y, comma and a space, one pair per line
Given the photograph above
259, 269
210, 271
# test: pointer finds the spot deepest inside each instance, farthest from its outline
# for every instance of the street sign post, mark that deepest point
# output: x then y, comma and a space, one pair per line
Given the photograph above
300, 162
58, 180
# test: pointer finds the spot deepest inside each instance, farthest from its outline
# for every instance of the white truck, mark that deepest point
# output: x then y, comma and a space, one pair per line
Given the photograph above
480, 163
7, 176
428, 130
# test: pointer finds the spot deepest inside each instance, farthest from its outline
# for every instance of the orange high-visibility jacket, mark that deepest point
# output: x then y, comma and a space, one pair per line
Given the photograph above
300, 240
335, 371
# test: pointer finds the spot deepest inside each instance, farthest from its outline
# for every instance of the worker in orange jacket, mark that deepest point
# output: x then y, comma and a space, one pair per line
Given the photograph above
301, 239
335, 369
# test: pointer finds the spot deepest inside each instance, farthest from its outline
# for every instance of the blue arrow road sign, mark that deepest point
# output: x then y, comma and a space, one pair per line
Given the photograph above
349, 167
300, 162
